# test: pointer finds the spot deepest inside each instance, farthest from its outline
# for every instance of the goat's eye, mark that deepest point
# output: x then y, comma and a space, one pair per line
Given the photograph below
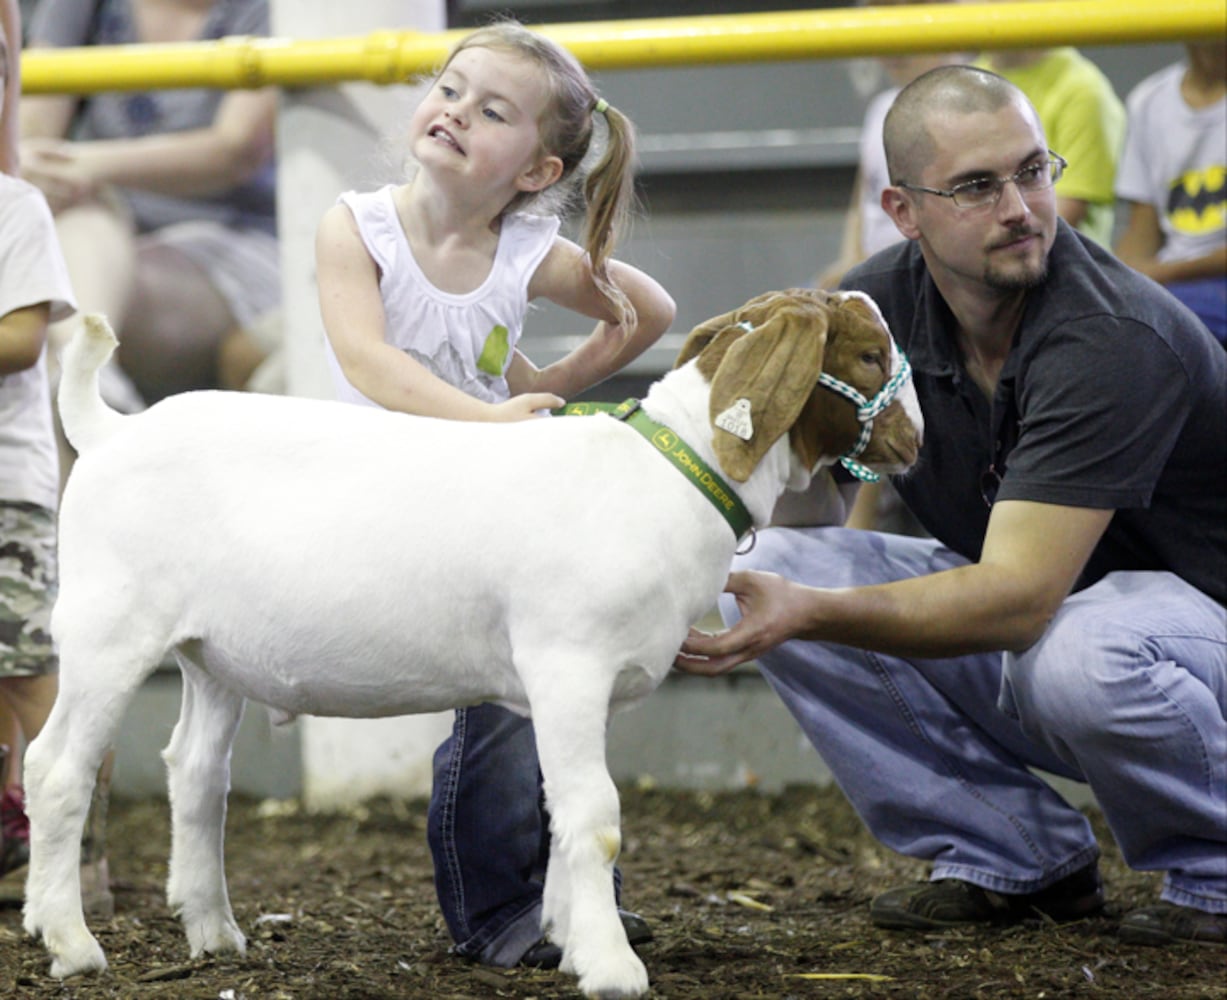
873, 358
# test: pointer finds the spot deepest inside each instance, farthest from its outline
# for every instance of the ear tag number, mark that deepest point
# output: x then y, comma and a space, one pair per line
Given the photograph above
736, 420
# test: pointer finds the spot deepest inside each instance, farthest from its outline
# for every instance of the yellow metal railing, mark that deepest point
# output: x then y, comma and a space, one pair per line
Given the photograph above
386, 57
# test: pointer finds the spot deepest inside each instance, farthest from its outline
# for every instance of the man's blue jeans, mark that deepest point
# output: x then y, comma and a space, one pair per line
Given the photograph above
1127, 690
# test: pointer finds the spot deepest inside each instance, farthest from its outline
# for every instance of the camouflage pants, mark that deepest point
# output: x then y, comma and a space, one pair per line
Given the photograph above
28, 586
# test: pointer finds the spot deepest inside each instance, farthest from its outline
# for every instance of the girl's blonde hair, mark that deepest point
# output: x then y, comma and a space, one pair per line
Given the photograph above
567, 123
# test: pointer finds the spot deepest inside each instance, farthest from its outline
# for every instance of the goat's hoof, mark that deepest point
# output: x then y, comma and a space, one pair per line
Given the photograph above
215, 937
83, 957
617, 977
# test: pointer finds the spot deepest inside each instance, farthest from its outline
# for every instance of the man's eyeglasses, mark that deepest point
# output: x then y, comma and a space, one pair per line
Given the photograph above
985, 191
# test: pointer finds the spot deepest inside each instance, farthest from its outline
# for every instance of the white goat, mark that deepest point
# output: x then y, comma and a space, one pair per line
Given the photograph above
337, 560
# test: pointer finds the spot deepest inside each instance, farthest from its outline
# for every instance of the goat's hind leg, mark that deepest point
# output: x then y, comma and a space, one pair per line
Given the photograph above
61, 767
198, 772
580, 910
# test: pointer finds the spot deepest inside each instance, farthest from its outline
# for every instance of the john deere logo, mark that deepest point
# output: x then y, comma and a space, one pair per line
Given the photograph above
664, 439
578, 409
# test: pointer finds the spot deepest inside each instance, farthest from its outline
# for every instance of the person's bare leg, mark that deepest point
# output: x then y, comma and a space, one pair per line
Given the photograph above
100, 251
25, 703
99, 248
175, 325
97, 899
238, 357
28, 701
10, 736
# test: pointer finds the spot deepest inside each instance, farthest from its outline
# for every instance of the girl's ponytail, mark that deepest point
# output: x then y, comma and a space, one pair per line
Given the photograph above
609, 196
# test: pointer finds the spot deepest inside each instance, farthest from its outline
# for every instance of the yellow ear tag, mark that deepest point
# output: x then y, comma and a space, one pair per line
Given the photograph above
736, 420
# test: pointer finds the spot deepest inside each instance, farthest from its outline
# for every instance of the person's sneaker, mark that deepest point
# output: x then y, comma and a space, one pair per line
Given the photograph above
547, 955
1166, 924
14, 830
952, 902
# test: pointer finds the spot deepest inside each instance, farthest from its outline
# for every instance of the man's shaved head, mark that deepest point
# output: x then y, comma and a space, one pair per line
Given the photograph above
960, 89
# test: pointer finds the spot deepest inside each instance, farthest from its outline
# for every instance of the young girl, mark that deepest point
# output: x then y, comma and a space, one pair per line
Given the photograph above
423, 290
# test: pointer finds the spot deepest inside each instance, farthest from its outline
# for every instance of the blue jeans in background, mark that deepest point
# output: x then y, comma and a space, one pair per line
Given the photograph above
1126, 690
1207, 298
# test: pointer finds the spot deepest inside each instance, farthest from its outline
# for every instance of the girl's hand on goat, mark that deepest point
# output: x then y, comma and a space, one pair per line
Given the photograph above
773, 610
525, 406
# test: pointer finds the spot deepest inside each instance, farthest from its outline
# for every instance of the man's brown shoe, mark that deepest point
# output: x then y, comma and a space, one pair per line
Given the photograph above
1166, 923
952, 903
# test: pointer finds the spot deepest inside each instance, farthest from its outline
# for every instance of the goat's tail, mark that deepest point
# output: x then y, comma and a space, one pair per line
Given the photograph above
86, 417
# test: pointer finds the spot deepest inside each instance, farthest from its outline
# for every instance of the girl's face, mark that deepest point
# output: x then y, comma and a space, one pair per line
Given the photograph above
479, 122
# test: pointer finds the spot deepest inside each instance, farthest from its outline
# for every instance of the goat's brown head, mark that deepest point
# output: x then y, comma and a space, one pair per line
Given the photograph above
765, 362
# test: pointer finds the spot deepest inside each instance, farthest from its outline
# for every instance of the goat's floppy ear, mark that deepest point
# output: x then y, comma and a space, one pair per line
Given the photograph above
741, 320
704, 334
762, 383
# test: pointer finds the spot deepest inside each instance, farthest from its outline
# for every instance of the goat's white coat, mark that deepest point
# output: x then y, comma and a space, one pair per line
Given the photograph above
337, 560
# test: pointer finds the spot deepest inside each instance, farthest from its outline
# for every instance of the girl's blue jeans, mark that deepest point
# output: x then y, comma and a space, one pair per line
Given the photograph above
1126, 690
489, 835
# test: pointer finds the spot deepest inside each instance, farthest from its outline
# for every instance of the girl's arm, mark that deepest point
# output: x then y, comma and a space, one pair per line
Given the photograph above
354, 320
565, 278
23, 332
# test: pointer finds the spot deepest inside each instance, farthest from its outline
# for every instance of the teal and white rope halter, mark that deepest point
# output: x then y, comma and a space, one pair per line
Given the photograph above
866, 411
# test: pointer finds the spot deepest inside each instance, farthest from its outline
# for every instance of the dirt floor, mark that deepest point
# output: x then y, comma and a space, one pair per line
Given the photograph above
750, 896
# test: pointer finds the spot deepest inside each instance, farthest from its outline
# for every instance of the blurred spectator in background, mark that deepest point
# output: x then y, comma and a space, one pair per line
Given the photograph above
1084, 121
164, 200
1173, 182
867, 229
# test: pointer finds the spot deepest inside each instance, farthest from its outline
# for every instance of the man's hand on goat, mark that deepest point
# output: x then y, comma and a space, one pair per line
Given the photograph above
773, 610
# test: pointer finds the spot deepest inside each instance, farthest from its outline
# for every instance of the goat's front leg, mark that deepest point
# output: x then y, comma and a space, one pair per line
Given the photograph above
198, 771
580, 911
